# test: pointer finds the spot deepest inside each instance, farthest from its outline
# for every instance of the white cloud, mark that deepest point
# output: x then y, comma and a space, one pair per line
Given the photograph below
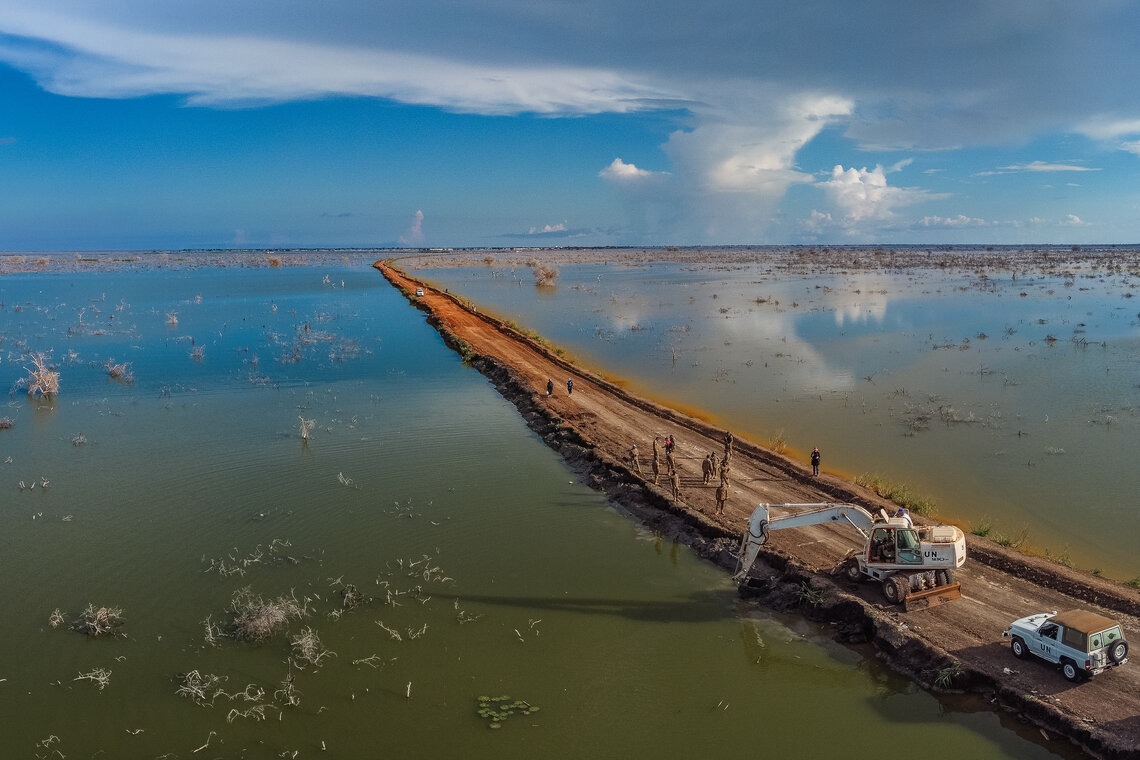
1035, 166
863, 195
1131, 147
961, 220
415, 233
94, 59
548, 228
1043, 166
899, 166
1072, 220
1107, 128
752, 145
620, 171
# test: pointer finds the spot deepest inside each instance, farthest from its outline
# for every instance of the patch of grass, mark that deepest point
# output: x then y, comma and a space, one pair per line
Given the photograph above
944, 678
779, 443
899, 493
1011, 542
809, 594
1134, 583
982, 528
526, 332
1062, 559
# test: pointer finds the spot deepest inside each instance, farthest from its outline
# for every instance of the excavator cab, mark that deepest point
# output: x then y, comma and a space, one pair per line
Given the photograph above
895, 545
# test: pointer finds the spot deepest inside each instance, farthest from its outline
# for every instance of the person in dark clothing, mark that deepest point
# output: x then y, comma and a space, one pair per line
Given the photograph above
549, 387
815, 461
569, 387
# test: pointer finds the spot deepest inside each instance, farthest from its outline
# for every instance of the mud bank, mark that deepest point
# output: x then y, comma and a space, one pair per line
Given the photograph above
782, 582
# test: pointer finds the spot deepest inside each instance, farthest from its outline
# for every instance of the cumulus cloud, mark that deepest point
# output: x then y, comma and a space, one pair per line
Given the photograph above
732, 169
863, 195
1131, 147
620, 171
415, 233
1072, 220
547, 229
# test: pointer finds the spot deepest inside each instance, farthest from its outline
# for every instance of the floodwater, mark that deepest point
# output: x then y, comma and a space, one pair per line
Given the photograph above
490, 570
1011, 400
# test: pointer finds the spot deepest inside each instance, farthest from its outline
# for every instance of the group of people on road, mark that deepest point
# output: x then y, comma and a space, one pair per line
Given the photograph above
711, 468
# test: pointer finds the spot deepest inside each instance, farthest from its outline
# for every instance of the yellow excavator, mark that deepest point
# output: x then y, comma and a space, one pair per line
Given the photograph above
915, 565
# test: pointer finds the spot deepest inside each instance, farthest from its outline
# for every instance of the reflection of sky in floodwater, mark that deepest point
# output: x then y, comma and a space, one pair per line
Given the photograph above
510, 577
1009, 401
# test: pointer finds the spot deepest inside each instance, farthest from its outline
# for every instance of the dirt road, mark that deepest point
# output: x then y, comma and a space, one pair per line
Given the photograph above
595, 427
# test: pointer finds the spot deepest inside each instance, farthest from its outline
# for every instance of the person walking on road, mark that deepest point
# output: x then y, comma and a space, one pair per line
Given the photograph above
815, 461
634, 460
675, 482
570, 387
549, 387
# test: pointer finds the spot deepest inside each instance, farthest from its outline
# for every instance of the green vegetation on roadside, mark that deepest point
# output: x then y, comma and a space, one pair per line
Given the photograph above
536, 337
899, 493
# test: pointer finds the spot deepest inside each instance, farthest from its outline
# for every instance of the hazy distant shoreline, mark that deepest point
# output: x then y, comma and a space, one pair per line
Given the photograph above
799, 257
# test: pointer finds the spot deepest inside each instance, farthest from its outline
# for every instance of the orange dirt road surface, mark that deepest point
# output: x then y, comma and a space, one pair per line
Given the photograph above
594, 429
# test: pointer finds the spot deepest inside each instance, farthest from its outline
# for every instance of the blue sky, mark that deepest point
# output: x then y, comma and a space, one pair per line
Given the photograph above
150, 124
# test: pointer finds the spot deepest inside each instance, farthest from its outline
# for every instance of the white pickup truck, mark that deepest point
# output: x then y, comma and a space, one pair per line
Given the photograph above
1083, 643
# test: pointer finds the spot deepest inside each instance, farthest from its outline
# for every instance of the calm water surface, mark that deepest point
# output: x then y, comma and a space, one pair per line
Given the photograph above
1010, 400
499, 573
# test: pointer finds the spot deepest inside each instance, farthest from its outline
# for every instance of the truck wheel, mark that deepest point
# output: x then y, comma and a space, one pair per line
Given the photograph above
852, 571
1017, 646
1118, 651
895, 588
943, 577
1071, 671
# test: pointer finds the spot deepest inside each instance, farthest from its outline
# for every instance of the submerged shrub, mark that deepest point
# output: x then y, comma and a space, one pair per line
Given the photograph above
97, 621
43, 380
257, 619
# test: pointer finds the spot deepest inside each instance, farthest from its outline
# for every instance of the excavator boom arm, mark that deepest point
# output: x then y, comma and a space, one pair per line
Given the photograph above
817, 514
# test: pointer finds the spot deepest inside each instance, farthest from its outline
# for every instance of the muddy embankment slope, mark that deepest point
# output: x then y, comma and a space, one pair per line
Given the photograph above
956, 646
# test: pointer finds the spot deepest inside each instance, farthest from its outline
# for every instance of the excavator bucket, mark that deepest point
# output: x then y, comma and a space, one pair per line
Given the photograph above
932, 597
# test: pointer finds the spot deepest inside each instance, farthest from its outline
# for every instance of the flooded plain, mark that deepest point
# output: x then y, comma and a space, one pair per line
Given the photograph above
299, 435
1007, 395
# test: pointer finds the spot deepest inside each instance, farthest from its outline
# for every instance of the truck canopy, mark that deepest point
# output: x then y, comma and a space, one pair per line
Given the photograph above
1083, 620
